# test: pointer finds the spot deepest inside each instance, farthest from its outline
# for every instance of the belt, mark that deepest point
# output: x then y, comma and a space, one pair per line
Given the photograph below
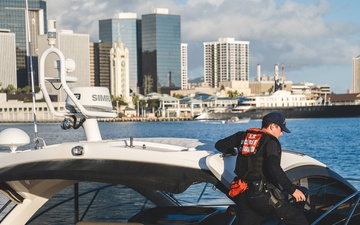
256, 185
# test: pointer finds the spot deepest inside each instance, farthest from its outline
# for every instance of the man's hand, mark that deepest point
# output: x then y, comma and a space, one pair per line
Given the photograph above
234, 153
299, 196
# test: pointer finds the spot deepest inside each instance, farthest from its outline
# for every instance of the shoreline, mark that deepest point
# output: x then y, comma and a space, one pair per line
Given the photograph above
145, 119
123, 119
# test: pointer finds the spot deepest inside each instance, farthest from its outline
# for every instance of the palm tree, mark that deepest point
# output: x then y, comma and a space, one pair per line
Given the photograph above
142, 105
230, 94
270, 90
10, 89
153, 103
179, 96
222, 88
135, 101
119, 100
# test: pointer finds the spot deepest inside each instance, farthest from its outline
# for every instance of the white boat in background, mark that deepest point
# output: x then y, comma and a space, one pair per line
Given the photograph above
236, 119
280, 98
136, 181
290, 105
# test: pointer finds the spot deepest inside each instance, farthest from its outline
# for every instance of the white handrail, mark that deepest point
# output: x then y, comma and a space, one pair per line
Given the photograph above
42, 79
86, 113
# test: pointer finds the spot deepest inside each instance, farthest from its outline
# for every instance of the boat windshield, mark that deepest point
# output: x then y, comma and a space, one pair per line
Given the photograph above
203, 194
6, 206
107, 202
96, 202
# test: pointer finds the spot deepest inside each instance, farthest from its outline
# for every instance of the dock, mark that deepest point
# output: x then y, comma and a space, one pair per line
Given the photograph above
145, 119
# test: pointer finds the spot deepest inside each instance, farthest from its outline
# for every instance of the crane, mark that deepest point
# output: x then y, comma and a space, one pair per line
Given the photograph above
289, 66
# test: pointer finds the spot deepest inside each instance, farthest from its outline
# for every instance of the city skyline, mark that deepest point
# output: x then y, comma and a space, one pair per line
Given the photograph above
13, 18
316, 42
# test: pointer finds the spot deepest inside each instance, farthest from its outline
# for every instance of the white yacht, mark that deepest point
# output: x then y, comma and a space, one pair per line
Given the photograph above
137, 181
280, 98
290, 105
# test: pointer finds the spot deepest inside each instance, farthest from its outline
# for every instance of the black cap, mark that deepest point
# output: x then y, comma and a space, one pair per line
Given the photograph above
278, 119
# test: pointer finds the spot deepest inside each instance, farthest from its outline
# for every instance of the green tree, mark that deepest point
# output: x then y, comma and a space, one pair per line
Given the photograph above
234, 94
270, 90
179, 96
231, 94
142, 105
10, 89
26, 99
119, 100
153, 103
135, 99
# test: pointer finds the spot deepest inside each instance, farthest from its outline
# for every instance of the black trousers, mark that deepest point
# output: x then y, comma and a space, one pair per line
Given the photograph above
253, 209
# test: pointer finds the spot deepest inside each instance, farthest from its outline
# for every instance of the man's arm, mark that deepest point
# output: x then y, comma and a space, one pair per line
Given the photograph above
227, 145
272, 166
278, 174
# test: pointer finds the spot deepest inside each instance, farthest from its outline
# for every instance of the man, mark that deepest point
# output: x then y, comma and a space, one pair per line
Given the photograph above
258, 164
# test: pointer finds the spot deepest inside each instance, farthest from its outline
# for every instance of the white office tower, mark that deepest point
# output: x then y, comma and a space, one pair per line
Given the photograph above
7, 59
356, 74
119, 71
184, 66
226, 60
74, 46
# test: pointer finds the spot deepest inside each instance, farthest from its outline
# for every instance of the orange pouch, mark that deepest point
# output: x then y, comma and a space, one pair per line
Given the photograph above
237, 187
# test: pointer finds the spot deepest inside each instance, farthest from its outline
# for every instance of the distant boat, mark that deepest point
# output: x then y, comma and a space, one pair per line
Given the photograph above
236, 119
291, 105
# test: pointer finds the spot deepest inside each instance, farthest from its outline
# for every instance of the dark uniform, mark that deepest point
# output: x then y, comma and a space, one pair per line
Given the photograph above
262, 172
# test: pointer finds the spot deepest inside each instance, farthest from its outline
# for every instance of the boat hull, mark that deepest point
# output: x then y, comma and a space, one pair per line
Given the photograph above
334, 111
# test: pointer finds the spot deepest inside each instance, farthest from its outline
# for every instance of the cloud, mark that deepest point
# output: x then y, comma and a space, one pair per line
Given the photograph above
288, 31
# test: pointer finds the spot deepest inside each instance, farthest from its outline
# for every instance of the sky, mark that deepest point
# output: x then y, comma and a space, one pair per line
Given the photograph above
314, 40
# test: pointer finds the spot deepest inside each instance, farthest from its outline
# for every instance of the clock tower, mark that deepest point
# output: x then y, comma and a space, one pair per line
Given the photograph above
119, 71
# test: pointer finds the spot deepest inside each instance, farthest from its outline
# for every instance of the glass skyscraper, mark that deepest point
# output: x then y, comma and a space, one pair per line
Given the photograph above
12, 17
128, 28
161, 52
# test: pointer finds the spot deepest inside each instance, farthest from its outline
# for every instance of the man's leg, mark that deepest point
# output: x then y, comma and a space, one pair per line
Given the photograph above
245, 214
290, 215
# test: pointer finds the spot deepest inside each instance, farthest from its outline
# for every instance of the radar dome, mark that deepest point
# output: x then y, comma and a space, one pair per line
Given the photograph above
13, 138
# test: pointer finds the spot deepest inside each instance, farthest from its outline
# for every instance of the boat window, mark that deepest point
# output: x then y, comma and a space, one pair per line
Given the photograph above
203, 194
323, 193
97, 202
6, 206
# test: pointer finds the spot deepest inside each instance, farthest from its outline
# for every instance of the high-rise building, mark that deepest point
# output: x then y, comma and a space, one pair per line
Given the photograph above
13, 17
226, 60
102, 64
127, 27
66, 42
161, 52
184, 67
92, 64
7, 59
356, 74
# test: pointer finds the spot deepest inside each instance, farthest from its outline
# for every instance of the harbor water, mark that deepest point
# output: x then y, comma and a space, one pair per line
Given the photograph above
334, 141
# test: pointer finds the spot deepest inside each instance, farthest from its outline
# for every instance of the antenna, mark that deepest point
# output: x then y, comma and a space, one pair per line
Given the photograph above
36, 140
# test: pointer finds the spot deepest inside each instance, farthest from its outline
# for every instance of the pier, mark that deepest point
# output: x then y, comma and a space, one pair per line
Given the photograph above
146, 119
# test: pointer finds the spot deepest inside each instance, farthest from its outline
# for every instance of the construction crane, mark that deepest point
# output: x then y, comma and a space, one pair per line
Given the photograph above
289, 66
278, 85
